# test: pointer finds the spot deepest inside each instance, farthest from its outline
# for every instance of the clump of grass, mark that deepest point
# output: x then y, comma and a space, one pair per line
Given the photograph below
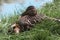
45, 30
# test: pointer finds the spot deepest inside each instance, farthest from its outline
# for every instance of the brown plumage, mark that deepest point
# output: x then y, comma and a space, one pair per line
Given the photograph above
27, 20
31, 11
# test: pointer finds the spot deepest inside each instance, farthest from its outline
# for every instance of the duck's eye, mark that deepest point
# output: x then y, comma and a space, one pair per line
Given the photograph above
14, 27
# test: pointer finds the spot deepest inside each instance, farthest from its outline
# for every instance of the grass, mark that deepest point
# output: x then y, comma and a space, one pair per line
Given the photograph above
45, 30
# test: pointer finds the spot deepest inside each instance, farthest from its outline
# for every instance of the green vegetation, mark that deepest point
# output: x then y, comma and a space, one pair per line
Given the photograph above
46, 30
